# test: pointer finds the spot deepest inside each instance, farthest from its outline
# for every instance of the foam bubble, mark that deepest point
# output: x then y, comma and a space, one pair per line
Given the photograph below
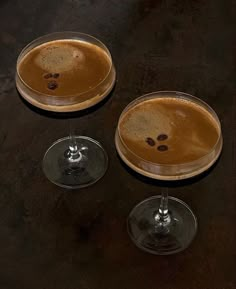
59, 58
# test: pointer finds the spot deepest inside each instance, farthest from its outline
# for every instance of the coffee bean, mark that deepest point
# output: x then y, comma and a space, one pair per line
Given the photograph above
162, 148
150, 141
47, 75
55, 75
52, 84
162, 137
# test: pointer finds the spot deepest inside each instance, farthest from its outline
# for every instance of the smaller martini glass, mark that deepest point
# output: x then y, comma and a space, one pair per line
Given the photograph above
73, 161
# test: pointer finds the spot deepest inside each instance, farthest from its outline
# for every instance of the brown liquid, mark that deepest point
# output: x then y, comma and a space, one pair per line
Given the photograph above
64, 67
182, 131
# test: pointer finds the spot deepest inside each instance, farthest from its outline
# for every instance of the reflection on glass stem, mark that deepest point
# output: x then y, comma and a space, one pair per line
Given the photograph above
73, 153
162, 217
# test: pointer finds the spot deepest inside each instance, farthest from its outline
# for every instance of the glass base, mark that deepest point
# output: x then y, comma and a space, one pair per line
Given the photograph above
84, 170
157, 238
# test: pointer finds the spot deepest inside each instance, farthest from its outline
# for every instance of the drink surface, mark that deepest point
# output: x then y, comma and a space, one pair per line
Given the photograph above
64, 67
169, 131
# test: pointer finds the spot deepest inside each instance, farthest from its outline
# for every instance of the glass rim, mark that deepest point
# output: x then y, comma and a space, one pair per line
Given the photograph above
63, 38
186, 97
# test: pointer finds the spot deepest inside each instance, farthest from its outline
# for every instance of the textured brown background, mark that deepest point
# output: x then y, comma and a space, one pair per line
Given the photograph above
52, 238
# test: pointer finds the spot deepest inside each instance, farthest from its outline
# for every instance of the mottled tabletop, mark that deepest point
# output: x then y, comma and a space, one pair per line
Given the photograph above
53, 238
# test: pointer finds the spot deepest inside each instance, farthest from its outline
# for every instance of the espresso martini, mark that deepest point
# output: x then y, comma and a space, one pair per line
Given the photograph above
65, 75
169, 132
65, 72
167, 136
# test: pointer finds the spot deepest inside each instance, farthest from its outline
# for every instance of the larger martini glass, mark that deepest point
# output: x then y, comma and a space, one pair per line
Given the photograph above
167, 136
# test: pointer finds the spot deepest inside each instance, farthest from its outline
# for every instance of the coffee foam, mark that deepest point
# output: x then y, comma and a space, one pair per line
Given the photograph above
143, 121
59, 58
190, 128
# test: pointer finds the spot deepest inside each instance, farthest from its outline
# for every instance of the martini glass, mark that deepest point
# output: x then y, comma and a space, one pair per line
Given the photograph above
73, 161
161, 224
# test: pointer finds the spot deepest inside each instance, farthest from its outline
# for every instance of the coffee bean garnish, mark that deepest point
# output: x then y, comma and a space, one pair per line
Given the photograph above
47, 75
52, 84
150, 141
55, 75
162, 137
162, 148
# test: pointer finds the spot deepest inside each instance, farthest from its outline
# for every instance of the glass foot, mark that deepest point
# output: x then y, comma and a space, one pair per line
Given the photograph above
77, 172
154, 237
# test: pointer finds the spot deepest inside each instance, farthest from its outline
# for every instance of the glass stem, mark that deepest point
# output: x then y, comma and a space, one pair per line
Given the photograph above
163, 215
74, 152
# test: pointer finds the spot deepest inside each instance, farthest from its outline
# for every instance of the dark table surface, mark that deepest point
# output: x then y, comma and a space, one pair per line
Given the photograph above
53, 238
